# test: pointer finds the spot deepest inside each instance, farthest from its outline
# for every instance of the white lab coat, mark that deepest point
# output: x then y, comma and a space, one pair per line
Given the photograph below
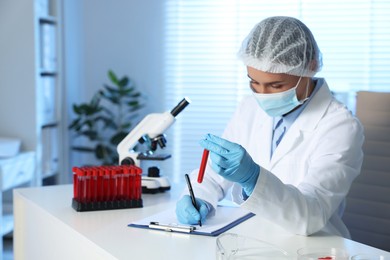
303, 186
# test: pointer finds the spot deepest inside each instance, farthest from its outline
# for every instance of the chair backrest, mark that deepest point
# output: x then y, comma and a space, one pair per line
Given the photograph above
367, 213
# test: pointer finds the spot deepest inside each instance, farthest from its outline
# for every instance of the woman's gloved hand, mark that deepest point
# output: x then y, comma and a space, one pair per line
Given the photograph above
187, 214
231, 161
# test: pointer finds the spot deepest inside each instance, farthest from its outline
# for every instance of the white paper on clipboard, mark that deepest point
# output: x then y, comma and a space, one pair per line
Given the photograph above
224, 219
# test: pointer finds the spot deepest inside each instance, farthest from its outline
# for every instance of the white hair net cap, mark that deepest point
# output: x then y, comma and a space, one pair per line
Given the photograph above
282, 45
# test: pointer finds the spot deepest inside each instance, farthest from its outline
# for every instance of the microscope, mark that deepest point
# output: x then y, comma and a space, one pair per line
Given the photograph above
149, 135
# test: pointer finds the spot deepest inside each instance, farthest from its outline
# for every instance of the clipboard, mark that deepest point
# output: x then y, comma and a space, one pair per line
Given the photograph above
224, 219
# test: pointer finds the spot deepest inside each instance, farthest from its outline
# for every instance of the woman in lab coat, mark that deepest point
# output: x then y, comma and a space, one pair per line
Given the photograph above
296, 171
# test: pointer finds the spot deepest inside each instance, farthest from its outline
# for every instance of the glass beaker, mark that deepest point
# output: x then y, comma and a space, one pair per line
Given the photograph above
233, 246
369, 257
322, 254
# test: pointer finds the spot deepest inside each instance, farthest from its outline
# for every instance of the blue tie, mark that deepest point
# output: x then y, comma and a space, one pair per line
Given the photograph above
278, 134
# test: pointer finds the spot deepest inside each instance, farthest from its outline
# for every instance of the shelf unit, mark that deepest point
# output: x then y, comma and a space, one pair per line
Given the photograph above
48, 85
30, 94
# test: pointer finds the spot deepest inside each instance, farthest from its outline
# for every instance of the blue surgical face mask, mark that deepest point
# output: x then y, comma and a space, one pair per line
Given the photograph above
279, 104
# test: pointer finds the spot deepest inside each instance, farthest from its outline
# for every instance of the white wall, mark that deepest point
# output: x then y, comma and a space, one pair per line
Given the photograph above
126, 36
73, 78
123, 35
17, 79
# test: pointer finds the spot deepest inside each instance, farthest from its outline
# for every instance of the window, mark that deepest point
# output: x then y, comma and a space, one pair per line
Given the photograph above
203, 37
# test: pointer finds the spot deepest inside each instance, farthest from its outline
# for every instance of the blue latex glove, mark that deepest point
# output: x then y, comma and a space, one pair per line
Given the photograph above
231, 161
187, 214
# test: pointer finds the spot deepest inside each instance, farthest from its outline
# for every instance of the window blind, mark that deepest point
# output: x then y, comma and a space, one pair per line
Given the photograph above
202, 38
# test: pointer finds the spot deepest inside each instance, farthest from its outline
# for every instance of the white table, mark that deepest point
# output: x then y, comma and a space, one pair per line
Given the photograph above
47, 227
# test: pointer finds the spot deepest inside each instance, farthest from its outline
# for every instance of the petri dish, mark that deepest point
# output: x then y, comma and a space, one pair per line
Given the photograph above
233, 246
322, 254
369, 257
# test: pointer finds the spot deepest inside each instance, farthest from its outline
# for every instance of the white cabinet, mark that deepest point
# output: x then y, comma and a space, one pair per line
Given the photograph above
30, 89
14, 171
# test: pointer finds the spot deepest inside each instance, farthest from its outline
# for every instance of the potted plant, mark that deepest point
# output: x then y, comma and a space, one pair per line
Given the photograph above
107, 118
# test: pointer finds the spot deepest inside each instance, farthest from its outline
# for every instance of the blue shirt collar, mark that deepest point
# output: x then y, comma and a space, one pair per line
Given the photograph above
290, 118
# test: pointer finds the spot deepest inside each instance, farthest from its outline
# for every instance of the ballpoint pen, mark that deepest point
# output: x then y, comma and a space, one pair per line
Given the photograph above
192, 195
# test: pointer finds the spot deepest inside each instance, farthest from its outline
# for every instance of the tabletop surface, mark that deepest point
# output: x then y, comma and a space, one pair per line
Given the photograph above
109, 229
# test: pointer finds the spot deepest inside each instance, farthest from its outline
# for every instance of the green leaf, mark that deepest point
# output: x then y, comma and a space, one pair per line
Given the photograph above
133, 103
75, 123
88, 110
103, 152
111, 90
92, 135
77, 109
83, 149
126, 125
110, 95
118, 137
123, 82
136, 95
113, 77
126, 92
100, 151
77, 129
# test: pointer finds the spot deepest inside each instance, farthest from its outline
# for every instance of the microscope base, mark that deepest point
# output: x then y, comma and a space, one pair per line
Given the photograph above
153, 185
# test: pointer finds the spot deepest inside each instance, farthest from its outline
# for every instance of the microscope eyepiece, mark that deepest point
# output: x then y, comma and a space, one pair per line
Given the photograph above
182, 104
